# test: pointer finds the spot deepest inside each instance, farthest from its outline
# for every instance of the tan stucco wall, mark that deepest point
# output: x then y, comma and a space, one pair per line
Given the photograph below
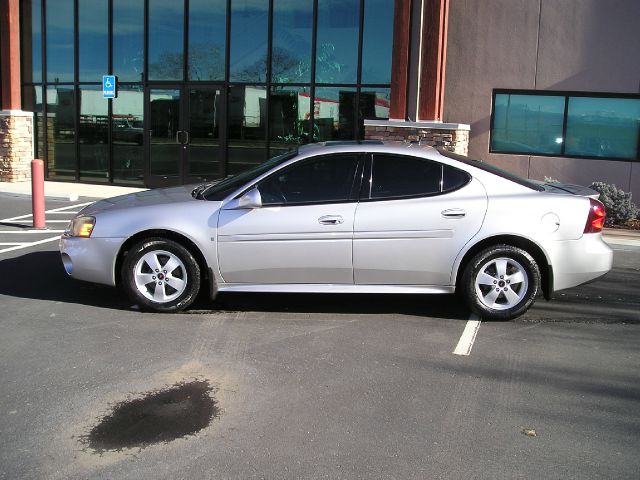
581, 45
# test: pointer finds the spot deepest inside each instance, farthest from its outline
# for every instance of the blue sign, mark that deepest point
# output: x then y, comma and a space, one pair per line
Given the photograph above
109, 86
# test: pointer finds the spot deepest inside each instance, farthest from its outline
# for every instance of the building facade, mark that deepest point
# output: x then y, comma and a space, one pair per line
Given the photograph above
208, 88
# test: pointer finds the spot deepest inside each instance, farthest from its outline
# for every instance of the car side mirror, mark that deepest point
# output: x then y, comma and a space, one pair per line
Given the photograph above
251, 199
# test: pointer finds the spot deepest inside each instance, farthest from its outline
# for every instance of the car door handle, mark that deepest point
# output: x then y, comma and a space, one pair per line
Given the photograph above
453, 213
331, 220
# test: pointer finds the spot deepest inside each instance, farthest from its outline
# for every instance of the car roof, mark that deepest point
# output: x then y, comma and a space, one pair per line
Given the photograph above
363, 146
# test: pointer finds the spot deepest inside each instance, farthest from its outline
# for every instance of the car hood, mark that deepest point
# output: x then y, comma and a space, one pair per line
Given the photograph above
160, 196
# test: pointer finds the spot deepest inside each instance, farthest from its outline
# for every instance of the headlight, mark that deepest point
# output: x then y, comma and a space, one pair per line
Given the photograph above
80, 227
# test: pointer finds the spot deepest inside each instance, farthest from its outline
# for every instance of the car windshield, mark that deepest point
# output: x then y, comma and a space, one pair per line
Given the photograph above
219, 191
492, 169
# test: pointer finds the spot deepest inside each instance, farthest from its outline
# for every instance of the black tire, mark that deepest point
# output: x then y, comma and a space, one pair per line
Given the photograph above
511, 299
177, 288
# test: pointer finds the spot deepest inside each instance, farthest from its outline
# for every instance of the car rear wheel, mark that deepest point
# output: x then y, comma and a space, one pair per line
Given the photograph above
501, 282
161, 275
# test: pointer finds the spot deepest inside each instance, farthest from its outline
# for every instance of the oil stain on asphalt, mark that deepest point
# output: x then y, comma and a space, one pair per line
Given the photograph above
158, 416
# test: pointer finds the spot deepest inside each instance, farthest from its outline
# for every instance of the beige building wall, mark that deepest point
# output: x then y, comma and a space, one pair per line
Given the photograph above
565, 45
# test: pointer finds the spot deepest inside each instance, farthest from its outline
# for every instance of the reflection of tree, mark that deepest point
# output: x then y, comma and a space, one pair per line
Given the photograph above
169, 65
206, 62
328, 66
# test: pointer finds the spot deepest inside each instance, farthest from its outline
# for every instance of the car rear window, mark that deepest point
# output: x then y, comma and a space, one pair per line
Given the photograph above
491, 169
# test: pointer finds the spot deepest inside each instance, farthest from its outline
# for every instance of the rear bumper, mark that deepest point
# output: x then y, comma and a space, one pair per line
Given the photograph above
90, 259
579, 261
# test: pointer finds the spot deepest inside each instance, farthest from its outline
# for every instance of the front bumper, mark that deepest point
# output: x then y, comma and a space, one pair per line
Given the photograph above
579, 261
91, 259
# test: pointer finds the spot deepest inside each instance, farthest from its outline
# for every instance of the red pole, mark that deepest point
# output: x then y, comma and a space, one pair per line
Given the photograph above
37, 193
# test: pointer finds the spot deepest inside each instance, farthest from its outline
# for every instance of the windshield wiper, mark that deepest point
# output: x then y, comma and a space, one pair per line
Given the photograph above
197, 192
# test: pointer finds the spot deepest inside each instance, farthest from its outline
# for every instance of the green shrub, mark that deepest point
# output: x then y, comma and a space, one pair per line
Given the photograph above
619, 205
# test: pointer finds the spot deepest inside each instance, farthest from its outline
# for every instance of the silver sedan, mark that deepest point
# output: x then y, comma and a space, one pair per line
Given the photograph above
347, 217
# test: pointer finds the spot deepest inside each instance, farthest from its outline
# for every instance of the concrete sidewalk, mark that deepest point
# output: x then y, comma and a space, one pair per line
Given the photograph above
69, 191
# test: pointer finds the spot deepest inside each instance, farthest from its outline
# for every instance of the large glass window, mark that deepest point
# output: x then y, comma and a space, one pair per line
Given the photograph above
374, 105
31, 29
166, 27
377, 41
337, 42
289, 118
603, 127
595, 126
527, 123
32, 102
93, 40
93, 134
246, 117
292, 34
60, 45
249, 32
61, 133
207, 39
127, 126
334, 111
128, 40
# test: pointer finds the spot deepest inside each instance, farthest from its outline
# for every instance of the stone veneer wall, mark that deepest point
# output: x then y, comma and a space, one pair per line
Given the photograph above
16, 145
452, 136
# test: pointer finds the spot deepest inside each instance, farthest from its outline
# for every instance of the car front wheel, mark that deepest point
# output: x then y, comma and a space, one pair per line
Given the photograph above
161, 275
501, 282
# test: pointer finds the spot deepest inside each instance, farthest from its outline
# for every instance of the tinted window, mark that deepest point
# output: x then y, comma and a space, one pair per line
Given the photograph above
325, 179
397, 176
166, 23
128, 40
453, 179
337, 41
60, 41
377, 41
603, 127
248, 49
207, 39
93, 39
527, 124
292, 29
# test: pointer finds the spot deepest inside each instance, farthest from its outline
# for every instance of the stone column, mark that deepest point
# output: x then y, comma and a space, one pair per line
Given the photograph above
450, 136
16, 146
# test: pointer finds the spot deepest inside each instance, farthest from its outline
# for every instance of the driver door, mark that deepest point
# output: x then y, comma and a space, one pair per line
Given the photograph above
303, 233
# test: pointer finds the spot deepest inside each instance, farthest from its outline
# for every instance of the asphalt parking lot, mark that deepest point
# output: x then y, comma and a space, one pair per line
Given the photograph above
314, 386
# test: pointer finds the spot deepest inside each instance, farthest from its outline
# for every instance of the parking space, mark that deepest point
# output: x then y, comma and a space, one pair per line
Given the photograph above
310, 386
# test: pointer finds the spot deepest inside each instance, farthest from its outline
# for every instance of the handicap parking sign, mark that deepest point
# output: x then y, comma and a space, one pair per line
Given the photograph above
109, 86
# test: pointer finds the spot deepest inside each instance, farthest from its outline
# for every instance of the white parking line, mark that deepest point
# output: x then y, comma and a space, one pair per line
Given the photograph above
58, 210
31, 244
6, 244
468, 336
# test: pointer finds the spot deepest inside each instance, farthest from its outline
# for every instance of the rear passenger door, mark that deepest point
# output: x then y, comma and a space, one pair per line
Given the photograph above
414, 220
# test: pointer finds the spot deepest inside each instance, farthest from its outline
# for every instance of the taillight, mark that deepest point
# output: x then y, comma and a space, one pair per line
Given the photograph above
595, 220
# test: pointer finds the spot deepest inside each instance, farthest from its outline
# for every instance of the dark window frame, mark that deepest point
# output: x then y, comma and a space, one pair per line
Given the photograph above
225, 83
567, 95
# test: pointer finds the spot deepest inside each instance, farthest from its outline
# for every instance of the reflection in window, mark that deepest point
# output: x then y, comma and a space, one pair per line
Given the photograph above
164, 124
93, 21
61, 155
603, 127
374, 105
527, 123
32, 102
93, 134
289, 118
337, 42
128, 40
292, 32
207, 39
59, 41
377, 41
247, 115
31, 29
249, 29
334, 109
398, 176
128, 135
205, 118
166, 18
321, 180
